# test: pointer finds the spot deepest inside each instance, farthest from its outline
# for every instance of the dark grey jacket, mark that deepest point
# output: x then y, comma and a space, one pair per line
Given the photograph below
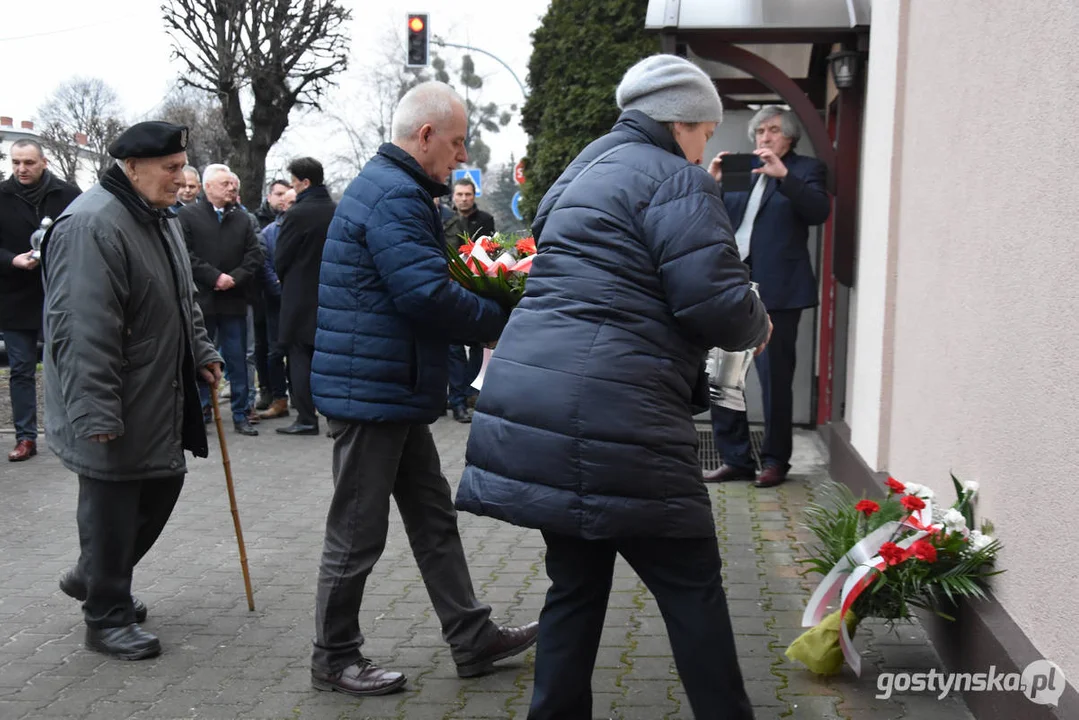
123, 338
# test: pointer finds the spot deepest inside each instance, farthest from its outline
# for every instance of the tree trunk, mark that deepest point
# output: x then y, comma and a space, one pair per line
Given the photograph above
250, 164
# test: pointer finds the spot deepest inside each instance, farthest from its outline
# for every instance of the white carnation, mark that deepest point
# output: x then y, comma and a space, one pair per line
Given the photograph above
979, 540
920, 491
954, 521
971, 486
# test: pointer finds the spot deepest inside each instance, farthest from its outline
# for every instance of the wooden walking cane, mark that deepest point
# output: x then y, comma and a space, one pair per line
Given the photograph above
232, 496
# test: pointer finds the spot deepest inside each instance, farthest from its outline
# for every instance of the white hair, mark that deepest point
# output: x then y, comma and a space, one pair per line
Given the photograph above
212, 171
429, 102
192, 170
787, 123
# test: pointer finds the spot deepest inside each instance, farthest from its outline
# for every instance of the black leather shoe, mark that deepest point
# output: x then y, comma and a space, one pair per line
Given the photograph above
74, 587
728, 473
510, 641
363, 678
461, 414
245, 428
129, 642
297, 428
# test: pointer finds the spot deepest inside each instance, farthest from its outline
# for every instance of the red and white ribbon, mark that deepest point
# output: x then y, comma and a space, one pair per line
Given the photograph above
855, 572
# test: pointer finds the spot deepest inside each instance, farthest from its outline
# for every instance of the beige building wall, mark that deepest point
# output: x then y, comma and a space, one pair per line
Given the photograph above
984, 360
872, 300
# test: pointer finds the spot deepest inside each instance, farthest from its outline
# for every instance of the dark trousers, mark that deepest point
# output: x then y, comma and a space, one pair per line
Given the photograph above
262, 347
22, 357
230, 335
775, 368
463, 369
275, 358
684, 577
371, 462
299, 370
119, 521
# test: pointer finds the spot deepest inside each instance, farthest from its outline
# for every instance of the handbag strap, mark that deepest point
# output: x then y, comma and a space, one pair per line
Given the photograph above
602, 156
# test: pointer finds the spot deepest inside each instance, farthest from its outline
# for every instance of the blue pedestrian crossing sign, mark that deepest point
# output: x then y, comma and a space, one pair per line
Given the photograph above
515, 205
473, 174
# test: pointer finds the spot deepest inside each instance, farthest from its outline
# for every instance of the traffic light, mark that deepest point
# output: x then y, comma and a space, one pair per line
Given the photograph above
417, 40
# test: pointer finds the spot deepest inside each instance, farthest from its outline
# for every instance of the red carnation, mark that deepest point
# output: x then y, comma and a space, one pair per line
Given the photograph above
526, 246
867, 506
896, 486
924, 550
489, 245
892, 553
913, 503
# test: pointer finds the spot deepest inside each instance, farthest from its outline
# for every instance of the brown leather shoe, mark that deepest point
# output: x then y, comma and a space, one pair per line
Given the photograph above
727, 473
278, 408
24, 450
770, 477
363, 678
508, 642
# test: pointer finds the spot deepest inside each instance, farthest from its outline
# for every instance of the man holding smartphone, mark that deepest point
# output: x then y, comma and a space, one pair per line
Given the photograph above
786, 196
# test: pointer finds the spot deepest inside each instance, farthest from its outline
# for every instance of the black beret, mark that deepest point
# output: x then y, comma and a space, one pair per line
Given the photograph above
153, 138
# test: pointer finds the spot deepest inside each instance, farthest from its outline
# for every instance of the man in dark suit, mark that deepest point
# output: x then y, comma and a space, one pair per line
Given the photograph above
772, 224
225, 259
297, 260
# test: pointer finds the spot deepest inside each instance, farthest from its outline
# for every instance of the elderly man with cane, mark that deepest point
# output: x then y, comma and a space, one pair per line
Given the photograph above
125, 346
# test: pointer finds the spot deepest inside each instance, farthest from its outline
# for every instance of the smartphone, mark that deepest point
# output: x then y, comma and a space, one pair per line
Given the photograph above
737, 171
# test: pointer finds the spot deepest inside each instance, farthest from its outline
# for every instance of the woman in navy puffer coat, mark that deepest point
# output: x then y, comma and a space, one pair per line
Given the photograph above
584, 426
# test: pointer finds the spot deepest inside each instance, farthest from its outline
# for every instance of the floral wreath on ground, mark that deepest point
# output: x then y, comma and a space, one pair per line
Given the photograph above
883, 560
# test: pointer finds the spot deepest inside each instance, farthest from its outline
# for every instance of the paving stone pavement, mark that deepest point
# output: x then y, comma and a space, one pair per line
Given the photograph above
222, 661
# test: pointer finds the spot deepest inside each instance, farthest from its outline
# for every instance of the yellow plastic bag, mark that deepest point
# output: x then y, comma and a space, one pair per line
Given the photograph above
818, 648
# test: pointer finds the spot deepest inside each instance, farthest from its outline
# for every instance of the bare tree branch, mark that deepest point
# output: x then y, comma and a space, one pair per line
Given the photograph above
277, 53
208, 141
81, 105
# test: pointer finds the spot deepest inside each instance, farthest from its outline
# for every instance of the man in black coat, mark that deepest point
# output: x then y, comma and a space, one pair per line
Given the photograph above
30, 194
225, 259
471, 221
298, 259
273, 205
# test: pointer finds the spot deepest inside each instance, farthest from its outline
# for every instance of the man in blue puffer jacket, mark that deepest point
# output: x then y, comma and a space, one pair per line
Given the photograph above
584, 428
387, 313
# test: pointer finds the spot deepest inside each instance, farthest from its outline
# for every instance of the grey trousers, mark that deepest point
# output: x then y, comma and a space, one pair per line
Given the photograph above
371, 462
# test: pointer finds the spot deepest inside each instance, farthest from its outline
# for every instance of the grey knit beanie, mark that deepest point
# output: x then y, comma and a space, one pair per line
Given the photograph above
668, 88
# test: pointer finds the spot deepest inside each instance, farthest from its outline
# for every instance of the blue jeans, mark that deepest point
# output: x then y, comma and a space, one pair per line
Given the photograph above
252, 388
463, 371
683, 575
22, 356
230, 333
